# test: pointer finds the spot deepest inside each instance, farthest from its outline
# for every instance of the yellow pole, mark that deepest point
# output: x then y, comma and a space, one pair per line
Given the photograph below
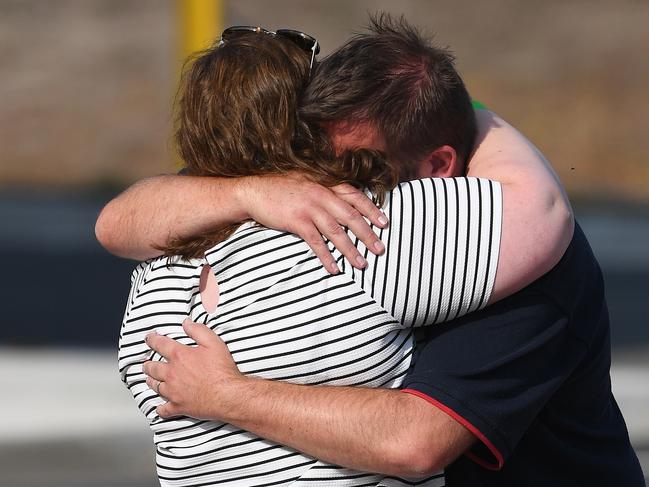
200, 22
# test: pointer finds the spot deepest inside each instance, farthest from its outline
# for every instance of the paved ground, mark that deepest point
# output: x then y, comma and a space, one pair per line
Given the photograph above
67, 421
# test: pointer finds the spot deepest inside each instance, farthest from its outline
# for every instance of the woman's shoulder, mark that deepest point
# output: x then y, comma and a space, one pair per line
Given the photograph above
164, 273
410, 195
252, 237
253, 246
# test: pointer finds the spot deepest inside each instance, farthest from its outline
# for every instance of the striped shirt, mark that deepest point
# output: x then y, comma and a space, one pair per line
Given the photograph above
283, 317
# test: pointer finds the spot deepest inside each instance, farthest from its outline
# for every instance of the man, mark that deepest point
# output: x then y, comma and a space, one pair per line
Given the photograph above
521, 387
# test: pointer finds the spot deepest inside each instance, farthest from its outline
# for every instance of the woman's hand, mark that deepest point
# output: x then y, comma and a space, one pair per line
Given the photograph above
295, 204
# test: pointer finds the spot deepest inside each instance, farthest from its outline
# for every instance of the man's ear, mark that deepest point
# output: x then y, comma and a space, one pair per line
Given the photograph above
441, 163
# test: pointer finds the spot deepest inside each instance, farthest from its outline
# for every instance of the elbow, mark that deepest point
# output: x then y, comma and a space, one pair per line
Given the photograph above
559, 228
547, 218
416, 456
561, 212
105, 231
424, 440
567, 219
421, 464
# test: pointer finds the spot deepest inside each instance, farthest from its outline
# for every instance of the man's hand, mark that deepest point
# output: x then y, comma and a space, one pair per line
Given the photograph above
195, 381
147, 215
373, 430
294, 203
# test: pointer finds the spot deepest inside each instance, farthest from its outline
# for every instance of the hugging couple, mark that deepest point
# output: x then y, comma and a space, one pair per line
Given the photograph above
361, 278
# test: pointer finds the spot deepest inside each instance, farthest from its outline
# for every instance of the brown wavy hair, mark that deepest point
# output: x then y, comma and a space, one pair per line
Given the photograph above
238, 114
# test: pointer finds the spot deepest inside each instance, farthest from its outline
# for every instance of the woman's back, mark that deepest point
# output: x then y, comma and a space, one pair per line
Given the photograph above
284, 317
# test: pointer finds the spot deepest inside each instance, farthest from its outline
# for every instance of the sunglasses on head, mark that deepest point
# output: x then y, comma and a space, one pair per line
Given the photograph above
302, 40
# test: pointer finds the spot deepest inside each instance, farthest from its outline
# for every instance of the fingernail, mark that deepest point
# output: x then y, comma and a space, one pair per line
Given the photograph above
334, 268
383, 220
360, 261
379, 246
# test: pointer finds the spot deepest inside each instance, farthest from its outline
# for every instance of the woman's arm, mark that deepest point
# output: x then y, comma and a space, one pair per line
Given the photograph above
441, 250
537, 218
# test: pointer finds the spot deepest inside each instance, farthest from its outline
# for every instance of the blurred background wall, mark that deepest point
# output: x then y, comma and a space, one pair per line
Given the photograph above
86, 89
87, 84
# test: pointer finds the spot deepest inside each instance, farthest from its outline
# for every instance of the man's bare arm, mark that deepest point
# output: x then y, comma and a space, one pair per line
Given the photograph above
153, 210
375, 430
372, 430
537, 217
145, 216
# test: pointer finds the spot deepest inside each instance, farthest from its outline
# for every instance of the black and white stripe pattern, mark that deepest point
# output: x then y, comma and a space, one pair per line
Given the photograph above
284, 317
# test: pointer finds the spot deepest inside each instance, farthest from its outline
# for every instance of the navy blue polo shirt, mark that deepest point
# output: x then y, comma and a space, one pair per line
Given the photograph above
529, 377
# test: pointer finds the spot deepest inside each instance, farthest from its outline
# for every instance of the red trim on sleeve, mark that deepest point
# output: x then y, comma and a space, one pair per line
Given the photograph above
476, 432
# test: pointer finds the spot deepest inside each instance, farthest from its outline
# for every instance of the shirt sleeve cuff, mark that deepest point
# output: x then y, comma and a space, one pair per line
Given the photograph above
494, 460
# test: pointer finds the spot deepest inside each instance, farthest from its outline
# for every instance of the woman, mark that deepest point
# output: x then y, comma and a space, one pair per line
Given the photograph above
281, 314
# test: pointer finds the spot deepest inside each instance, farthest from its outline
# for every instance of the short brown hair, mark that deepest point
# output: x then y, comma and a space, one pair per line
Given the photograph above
237, 116
396, 79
